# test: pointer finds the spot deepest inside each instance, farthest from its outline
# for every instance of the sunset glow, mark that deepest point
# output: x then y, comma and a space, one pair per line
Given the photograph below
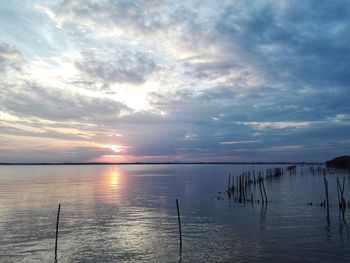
118, 81
174, 131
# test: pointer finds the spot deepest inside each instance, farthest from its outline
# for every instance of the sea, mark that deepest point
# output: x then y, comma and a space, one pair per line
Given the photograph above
128, 213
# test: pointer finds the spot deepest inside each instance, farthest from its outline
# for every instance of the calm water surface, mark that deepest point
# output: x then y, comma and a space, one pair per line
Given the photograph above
128, 214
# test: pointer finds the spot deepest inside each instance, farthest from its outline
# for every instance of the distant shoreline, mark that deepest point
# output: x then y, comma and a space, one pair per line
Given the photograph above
161, 163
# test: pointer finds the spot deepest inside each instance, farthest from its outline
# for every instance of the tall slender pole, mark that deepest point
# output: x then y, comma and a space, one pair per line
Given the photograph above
326, 188
240, 189
178, 218
338, 194
58, 219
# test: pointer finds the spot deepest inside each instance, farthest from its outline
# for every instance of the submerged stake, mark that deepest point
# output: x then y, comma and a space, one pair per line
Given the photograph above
58, 219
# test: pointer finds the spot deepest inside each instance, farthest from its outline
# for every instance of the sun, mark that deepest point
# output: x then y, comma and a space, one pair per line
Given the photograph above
116, 153
115, 147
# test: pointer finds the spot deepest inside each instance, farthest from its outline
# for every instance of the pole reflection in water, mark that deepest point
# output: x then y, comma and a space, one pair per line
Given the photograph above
263, 215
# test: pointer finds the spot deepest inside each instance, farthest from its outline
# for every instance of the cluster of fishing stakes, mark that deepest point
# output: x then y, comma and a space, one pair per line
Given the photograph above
241, 188
341, 201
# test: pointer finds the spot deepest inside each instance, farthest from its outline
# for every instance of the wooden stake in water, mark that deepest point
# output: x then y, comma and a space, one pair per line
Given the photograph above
178, 218
326, 188
338, 194
340, 191
58, 219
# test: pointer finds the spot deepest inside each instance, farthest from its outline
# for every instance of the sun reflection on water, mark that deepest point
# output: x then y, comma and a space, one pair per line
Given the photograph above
111, 185
113, 180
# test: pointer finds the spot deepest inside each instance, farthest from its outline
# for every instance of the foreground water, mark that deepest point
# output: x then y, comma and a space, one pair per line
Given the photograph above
128, 214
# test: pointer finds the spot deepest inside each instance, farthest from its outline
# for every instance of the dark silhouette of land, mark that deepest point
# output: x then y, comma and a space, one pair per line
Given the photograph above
341, 162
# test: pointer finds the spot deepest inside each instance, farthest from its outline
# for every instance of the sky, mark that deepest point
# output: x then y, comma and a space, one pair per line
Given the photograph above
174, 81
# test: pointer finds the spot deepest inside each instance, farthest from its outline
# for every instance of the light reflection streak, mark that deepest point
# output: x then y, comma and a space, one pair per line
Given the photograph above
111, 185
113, 180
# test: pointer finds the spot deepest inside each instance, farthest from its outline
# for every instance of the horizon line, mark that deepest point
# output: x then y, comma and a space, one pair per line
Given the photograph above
149, 163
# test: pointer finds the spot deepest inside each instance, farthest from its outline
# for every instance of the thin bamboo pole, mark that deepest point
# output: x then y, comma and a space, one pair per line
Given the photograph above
327, 199
179, 220
58, 219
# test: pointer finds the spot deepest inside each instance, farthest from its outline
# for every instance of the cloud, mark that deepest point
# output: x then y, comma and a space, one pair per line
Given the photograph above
238, 142
116, 66
276, 125
304, 42
41, 153
10, 59
141, 15
54, 104
236, 41
283, 148
340, 119
213, 79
